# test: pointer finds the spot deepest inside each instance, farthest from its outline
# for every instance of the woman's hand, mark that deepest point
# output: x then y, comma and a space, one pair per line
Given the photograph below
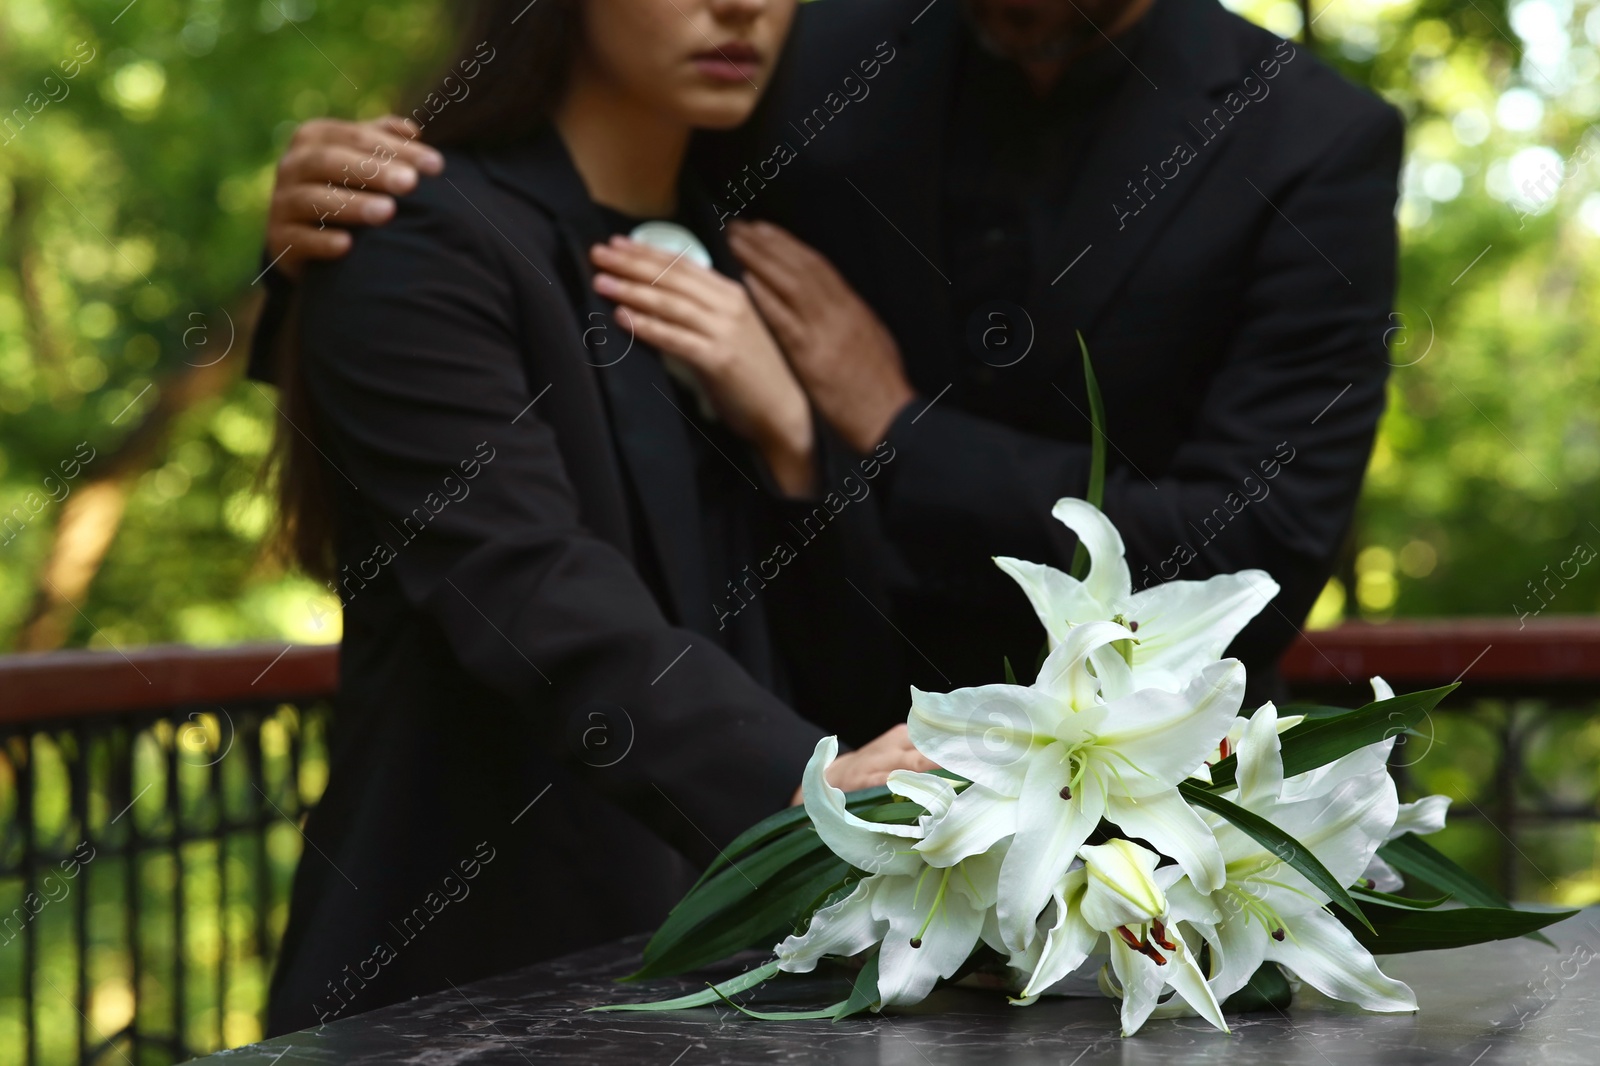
872, 763
708, 322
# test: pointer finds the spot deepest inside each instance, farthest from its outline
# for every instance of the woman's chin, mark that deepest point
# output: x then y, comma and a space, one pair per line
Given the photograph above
721, 108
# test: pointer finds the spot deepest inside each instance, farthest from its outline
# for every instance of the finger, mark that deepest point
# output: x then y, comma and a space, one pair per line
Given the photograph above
664, 336
383, 141
785, 324
344, 167
794, 256
291, 247
322, 205
654, 267
758, 255
419, 154
651, 300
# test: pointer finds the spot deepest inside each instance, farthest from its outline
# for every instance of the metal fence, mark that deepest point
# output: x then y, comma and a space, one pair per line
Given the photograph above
150, 806
149, 811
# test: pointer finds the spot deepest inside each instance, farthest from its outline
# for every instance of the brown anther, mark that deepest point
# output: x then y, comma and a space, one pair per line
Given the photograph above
1133, 627
916, 941
1277, 934
1129, 939
1160, 933
1222, 748
1368, 883
1153, 955
1066, 792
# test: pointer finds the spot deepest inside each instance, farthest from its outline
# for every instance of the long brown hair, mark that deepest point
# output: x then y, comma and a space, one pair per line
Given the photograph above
513, 58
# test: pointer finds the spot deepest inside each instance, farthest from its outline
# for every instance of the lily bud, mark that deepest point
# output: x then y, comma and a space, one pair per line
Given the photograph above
1121, 889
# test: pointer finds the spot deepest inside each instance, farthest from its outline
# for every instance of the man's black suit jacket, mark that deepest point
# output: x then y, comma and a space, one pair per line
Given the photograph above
1227, 250
531, 739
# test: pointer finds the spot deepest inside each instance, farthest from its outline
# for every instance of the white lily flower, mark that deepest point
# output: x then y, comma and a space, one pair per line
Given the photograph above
1118, 893
1050, 760
1422, 817
1230, 743
1269, 912
1177, 627
928, 919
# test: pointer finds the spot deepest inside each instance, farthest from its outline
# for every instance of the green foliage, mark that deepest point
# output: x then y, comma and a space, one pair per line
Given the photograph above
133, 198
132, 194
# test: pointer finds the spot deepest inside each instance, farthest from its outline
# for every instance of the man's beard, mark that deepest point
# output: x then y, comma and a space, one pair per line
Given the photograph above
1063, 45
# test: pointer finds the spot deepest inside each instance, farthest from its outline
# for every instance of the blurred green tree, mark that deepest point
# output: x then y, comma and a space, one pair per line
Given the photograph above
132, 194
137, 144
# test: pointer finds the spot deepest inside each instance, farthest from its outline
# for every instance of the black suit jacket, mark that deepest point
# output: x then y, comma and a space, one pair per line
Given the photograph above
530, 738
1234, 293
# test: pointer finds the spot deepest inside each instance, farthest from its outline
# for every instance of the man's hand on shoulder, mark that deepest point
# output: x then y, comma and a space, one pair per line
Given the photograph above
337, 174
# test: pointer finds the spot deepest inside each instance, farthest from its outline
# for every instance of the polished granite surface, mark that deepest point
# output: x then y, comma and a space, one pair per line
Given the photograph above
1509, 1002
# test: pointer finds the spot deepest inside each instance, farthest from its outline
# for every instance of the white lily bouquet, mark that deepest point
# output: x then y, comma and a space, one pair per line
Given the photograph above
1115, 817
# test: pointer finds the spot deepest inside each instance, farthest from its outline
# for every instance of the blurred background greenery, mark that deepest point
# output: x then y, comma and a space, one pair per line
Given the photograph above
137, 144
130, 218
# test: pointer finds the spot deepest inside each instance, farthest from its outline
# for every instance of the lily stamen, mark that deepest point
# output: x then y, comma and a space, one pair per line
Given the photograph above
938, 901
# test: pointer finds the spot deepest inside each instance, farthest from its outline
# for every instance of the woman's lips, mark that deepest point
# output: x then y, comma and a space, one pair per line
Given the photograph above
731, 62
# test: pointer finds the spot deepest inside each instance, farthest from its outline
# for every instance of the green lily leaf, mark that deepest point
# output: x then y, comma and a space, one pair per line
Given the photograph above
713, 899
1309, 711
1318, 742
863, 994
1097, 454
761, 897
1416, 858
1421, 861
1277, 841
711, 995
1399, 901
759, 920
1396, 930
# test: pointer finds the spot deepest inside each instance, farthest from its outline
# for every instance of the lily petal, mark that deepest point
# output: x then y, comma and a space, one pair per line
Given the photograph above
1108, 580
1384, 877
1174, 827
1260, 774
1183, 625
1323, 953
1424, 816
987, 734
1050, 830
1183, 974
1059, 599
1162, 737
977, 819
1064, 674
841, 928
875, 847
1068, 942
931, 792
906, 974
1142, 983
1238, 948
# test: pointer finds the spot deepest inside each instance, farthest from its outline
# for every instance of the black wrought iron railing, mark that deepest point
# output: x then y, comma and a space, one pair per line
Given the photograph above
151, 803
149, 828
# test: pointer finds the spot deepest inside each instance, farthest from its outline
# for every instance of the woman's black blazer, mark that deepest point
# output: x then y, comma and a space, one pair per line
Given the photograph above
532, 746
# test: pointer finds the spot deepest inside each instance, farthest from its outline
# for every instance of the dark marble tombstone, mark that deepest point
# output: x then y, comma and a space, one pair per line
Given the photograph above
1511, 1002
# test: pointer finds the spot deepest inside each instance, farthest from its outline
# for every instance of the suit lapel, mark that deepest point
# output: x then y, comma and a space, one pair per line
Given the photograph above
650, 431
1136, 176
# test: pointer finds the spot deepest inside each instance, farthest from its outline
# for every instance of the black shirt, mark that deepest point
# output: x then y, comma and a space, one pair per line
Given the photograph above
1012, 160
